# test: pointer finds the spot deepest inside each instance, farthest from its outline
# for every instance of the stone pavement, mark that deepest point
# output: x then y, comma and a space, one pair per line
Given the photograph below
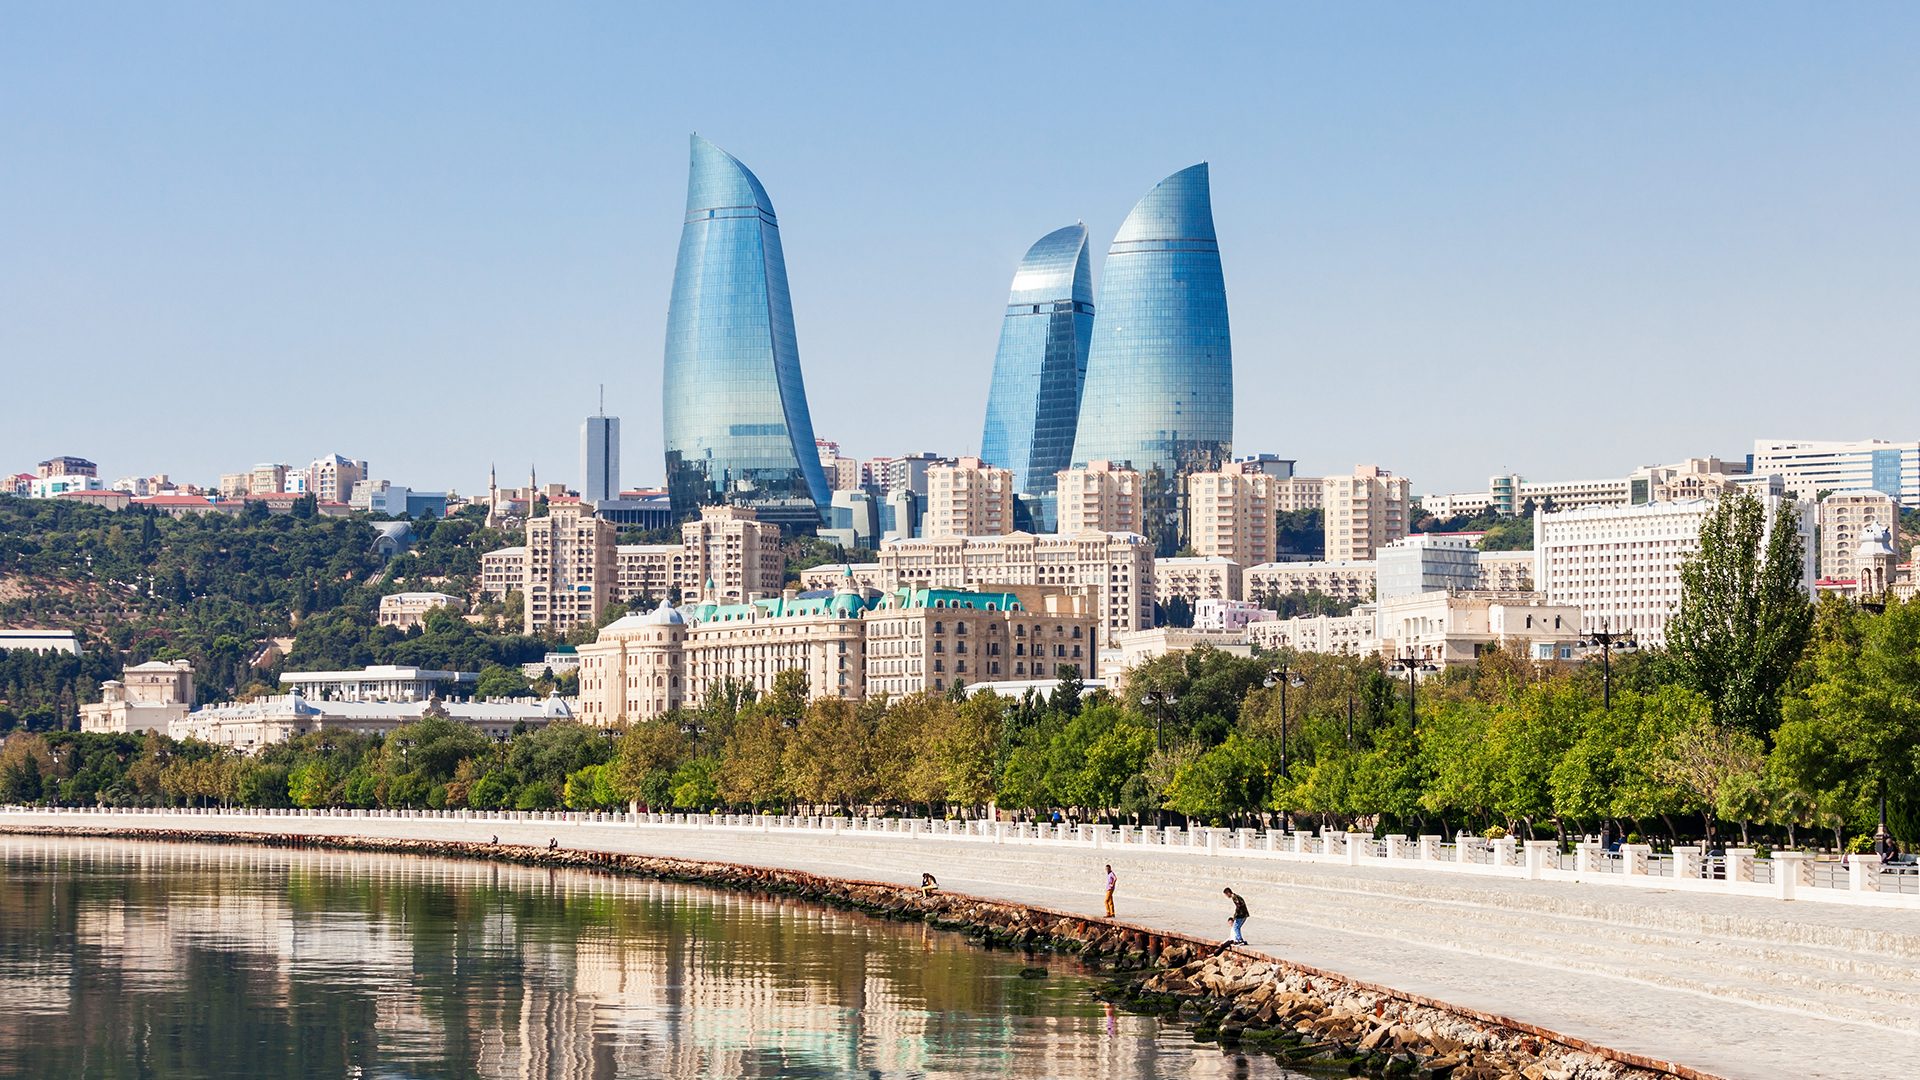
1742, 987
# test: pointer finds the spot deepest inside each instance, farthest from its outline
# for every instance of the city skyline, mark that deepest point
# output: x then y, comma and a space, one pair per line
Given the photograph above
1548, 217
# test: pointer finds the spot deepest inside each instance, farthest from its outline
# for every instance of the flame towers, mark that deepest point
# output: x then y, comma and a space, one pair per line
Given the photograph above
1033, 408
1159, 389
735, 409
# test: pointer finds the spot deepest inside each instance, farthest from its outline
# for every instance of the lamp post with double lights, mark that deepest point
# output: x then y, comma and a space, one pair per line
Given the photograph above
1411, 664
1161, 701
1283, 677
1608, 641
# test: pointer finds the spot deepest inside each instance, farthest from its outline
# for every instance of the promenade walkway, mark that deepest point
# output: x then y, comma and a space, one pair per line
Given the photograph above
1744, 987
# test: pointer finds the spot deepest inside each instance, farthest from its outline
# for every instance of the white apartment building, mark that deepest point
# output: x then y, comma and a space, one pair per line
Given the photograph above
1427, 562
1231, 514
1116, 567
1808, 467
1195, 579
968, 498
1347, 635
1845, 519
1621, 565
1364, 511
380, 682
1351, 580
1102, 497
1444, 629
406, 610
1229, 616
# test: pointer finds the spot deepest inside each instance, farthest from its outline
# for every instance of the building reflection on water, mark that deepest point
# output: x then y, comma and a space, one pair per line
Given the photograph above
161, 960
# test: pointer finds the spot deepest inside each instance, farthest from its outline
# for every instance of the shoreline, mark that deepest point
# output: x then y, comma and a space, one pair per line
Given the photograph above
1303, 1016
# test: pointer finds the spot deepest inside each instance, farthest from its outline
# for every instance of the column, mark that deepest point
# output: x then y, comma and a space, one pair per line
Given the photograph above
1863, 873
1740, 864
1397, 848
1302, 842
1503, 851
1463, 847
1686, 863
1791, 871
1586, 857
1540, 853
1633, 859
1428, 848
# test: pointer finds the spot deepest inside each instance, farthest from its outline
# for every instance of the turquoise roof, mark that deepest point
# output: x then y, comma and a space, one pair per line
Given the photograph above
954, 598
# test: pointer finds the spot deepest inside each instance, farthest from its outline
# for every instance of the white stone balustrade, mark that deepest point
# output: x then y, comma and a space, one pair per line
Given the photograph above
1686, 861
1863, 873
1791, 871
1633, 859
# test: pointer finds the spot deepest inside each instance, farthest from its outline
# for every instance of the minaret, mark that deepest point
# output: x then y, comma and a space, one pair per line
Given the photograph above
493, 496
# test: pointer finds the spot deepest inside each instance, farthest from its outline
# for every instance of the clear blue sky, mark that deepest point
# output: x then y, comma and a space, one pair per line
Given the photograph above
1458, 239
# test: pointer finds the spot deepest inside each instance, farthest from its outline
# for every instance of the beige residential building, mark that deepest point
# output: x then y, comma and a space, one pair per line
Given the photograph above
1129, 650
968, 498
501, 572
1102, 497
843, 473
1844, 520
1694, 478
833, 575
260, 480
1349, 581
406, 610
1291, 493
1364, 512
1506, 571
730, 556
1231, 514
1196, 579
331, 478
1117, 567
850, 645
648, 574
570, 569
146, 697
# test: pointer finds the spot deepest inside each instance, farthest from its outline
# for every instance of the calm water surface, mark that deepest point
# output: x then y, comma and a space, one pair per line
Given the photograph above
172, 961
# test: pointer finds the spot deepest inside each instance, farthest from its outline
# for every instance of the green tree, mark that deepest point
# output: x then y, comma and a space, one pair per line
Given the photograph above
497, 681
1744, 617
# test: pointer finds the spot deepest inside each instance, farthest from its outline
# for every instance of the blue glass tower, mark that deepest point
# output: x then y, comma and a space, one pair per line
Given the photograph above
1034, 405
1159, 389
736, 422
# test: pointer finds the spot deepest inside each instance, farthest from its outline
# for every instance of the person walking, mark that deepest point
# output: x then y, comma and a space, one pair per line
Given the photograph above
1111, 882
1239, 916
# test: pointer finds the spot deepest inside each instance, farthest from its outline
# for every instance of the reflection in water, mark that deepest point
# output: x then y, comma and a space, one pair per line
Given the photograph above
171, 961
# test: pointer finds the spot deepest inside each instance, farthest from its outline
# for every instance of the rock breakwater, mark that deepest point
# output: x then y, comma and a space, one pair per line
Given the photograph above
1319, 1022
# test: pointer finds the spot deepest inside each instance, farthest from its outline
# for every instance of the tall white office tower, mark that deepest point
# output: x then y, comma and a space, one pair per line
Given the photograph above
600, 456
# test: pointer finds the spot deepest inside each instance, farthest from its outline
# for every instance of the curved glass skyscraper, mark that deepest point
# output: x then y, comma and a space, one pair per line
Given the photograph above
1159, 390
736, 422
1034, 405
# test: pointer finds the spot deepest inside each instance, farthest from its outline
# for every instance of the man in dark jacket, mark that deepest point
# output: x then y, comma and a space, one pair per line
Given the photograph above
1239, 916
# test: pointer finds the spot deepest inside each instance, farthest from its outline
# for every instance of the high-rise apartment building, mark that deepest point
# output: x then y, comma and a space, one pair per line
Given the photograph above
1364, 511
1426, 562
968, 498
1846, 518
600, 458
569, 567
730, 556
1101, 497
1033, 408
1232, 514
1117, 568
1351, 582
1809, 467
1159, 388
843, 473
735, 407
1620, 565
331, 478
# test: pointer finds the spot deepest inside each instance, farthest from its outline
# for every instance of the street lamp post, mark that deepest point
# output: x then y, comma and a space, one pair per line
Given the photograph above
1161, 700
1283, 677
1411, 663
1608, 641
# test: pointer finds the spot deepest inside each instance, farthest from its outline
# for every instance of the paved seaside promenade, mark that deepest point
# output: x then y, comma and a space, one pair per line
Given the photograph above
1736, 986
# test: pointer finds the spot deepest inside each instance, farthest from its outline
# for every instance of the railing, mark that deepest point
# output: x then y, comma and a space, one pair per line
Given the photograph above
1787, 875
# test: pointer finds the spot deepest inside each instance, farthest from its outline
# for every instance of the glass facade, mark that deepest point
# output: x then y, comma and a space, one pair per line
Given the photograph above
1159, 387
1034, 404
735, 409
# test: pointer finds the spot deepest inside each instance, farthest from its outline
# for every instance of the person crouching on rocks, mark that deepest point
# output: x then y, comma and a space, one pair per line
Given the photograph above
1238, 918
928, 886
